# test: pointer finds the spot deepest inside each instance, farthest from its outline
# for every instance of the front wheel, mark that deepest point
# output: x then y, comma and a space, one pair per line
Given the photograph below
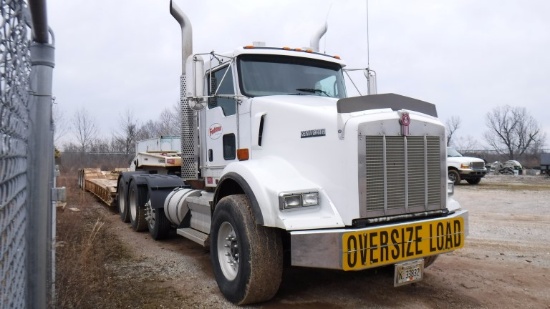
454, 176
473, 181
429, 260
247, 258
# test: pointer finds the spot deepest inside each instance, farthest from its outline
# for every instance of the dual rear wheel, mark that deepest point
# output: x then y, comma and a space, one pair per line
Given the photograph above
135, 207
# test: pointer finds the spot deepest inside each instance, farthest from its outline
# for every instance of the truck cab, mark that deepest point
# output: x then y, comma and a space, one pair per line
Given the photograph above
281, 167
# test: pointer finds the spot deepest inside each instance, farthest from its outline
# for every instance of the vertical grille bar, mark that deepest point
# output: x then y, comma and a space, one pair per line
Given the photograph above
385, 167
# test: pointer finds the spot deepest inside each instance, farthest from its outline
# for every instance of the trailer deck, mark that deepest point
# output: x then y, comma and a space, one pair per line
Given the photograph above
102, 184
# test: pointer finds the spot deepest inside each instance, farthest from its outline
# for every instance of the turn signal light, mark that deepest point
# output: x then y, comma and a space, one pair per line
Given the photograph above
242, 154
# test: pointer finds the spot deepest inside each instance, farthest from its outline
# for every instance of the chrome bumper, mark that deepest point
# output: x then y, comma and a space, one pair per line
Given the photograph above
325, 248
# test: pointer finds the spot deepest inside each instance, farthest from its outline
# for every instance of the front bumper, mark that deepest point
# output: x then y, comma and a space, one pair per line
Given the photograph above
465, 173
370, 247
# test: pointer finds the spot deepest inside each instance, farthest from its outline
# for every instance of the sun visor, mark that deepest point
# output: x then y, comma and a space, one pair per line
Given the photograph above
387, 100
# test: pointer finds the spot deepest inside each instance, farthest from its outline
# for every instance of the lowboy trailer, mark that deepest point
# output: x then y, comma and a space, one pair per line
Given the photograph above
155, 156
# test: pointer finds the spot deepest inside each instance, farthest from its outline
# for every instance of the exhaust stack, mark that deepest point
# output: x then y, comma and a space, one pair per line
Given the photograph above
186, 33
316, 38
189, 134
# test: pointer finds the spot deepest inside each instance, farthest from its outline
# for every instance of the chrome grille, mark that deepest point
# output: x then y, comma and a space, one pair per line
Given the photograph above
478, 165
402, 174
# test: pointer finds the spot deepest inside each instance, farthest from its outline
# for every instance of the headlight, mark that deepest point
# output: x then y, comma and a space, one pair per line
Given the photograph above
465, 165
450, 188
310, 199
294, 200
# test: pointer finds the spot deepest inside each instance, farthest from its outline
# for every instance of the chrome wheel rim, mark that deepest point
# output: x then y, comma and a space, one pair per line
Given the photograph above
228, 251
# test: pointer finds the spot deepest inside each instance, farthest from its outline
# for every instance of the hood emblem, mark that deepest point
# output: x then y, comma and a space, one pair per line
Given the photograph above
313, 133
405, 121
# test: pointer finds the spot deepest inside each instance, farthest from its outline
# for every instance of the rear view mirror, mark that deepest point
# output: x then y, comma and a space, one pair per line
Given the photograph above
194, 71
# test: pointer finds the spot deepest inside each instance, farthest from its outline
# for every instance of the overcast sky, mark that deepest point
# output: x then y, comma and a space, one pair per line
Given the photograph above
467, 57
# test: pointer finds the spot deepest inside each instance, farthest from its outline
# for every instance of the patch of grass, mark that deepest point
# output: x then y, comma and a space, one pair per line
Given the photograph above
88, 255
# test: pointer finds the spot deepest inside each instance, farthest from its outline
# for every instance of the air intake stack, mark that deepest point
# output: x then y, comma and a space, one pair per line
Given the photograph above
316, 37
189, 134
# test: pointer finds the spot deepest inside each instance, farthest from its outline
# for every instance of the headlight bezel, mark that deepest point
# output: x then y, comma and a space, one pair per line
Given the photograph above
296, 200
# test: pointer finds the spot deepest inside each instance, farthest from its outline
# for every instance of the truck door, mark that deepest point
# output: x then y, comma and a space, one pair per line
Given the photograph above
221, 122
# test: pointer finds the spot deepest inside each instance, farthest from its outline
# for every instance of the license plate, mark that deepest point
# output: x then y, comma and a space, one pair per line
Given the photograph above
373, 247
408, 272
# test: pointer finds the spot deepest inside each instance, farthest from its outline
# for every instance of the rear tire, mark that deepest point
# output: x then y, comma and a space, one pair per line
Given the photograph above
158, 224
473, 181
122, 200
247, 258
137, 197
454, 176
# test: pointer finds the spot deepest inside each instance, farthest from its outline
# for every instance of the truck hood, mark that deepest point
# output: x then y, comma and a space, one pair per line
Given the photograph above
289, 117
464, 159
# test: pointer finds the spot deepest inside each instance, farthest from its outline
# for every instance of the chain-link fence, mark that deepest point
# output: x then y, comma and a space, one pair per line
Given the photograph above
17, 139
14, 122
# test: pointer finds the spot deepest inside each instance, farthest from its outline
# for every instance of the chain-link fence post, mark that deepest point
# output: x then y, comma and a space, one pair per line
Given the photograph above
40, 238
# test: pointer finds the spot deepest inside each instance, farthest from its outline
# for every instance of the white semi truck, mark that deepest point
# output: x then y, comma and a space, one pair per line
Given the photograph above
280, 167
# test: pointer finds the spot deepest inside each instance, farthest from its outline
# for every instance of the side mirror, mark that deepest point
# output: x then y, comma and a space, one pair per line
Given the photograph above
194, 71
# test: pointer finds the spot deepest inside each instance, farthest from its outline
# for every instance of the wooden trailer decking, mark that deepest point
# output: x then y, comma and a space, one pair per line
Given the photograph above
102, 184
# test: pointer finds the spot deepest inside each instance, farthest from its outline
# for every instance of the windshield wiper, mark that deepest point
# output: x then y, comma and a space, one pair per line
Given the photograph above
313, 91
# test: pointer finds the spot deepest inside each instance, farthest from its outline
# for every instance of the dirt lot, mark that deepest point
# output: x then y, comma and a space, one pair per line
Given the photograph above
504, 264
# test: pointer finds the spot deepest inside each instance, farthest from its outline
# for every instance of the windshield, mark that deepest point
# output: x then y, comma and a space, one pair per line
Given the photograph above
263, 75
451, 152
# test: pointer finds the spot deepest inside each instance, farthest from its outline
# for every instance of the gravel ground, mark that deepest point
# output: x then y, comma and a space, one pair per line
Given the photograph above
504, 264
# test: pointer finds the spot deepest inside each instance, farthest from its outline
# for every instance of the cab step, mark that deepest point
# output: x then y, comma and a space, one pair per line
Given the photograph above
194, 235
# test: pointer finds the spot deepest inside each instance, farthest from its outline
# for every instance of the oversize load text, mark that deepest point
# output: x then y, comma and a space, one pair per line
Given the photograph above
393, 244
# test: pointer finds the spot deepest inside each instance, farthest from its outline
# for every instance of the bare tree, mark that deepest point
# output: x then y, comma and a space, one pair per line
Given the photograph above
169, 123
99, 145
125, 140
85, 129
149, 129
452, 124
513, 131
466, 144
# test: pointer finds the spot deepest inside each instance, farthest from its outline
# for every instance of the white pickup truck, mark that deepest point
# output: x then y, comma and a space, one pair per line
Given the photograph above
468, 168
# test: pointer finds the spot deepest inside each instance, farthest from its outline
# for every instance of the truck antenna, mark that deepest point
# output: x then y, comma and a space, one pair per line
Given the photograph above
368, 47
326, 23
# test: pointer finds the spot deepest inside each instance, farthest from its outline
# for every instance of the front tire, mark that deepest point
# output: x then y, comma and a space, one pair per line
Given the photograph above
247, 258
429, 260
137, 197
454, 176
473, 181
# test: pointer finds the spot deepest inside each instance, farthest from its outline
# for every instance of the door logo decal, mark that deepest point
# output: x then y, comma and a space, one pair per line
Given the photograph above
215, 131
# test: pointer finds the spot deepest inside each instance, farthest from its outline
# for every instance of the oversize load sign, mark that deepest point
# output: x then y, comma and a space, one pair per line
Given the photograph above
377, 247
